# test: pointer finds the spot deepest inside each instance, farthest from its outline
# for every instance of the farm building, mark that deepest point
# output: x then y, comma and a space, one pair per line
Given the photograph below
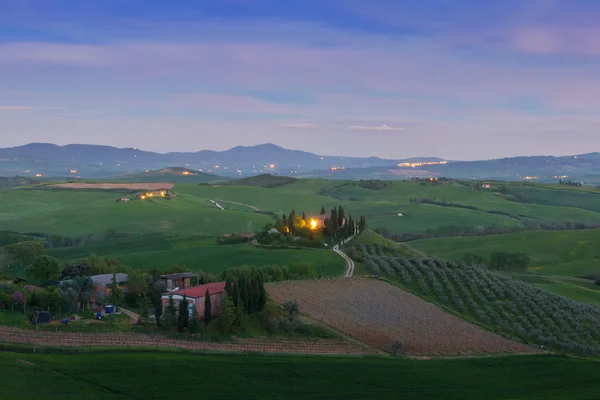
177, 281
195, 296
101, 291
321, 220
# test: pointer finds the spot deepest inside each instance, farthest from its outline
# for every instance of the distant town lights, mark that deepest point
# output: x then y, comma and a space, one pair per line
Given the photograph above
420, 164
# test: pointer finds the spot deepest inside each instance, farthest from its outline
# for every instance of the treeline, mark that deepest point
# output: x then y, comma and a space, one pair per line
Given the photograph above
373, 184
500, 261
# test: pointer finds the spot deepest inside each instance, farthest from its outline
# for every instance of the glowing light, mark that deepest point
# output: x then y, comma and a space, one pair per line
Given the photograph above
143, 197
420, 164
272, 166
313, 223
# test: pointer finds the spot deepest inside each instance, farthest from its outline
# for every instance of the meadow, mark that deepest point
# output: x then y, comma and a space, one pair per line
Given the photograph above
71, 212
160, 250
569, 253
158, 375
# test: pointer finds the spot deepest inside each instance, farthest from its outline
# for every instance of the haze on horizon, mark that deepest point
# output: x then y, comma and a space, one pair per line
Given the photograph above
458, 79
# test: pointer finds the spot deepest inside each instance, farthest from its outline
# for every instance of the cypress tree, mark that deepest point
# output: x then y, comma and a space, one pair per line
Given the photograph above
334, 220
195, 320
181, 315
207, 308
303, 216
284, 220
235, 293
170, 314
262, 295
340, 216
323, 211
290, 223
243, 292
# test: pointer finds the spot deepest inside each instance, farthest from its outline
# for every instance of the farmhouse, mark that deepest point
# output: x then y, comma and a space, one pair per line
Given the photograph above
321, 221
195, 296
101, 291
174, 282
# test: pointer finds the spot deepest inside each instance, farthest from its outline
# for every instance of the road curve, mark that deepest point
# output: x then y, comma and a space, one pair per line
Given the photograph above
349, 262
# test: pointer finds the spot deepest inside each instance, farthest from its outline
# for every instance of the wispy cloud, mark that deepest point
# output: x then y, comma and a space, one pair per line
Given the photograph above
16, 108
300, 126
383, 127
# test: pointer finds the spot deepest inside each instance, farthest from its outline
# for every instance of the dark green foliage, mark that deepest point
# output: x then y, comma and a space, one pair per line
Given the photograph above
234, 238
207, 308
509, 261
194, 324
44, 268
25, 252
473, 259
170, 314
323, 212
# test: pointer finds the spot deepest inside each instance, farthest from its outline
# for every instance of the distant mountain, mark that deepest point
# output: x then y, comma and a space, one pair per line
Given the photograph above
97, 161
581, 168
93, 161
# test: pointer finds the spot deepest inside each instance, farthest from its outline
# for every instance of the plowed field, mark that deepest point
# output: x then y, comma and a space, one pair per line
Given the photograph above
377, 313
262, 345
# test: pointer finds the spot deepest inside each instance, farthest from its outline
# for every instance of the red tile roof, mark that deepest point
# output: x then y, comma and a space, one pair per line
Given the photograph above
200, 291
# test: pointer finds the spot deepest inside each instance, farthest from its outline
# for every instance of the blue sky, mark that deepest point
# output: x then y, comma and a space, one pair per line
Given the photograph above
461, 79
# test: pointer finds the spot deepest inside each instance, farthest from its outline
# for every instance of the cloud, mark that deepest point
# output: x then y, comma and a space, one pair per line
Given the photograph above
16, 108
383, 127
300, 126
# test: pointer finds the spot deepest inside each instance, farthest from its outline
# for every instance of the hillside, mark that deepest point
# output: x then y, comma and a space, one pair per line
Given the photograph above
94, 161
172, 174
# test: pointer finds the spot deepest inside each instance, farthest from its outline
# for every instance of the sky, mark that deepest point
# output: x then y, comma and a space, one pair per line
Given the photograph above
458, 79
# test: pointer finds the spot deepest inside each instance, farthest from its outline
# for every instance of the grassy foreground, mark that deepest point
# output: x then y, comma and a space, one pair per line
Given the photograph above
172, 375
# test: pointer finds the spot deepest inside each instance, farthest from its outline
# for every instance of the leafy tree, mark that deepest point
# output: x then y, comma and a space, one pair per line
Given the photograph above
207, 308
194, 323
292, 308
44, 268
227, 314
4, 299
18, 299
137, 283
182, 315
170, 314
25, 252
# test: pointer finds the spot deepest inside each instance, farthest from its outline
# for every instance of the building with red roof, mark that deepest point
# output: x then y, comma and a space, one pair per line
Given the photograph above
196, 296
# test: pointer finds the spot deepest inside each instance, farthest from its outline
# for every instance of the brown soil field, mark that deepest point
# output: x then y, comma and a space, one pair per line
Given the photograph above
261, 345
377, 313
140, 186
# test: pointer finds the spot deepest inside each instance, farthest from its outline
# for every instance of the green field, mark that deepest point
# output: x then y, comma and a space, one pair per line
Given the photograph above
72, 212
138, 375
571, 253
155, 250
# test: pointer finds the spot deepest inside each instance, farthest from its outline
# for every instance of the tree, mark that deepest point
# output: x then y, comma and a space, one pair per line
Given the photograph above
44, 268
137, 283
304, 217
207, 308
144, 305
170, 314
18, 299
340, 216
25, 252
194, 324
323, 212
292, 308
182, 315
115, 291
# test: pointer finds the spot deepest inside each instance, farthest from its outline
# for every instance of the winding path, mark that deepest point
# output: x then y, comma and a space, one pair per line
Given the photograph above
349, 261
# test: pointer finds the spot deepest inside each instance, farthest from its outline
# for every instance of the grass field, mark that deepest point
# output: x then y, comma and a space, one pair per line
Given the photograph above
570, 253
158, 250
162, 375
71, 212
